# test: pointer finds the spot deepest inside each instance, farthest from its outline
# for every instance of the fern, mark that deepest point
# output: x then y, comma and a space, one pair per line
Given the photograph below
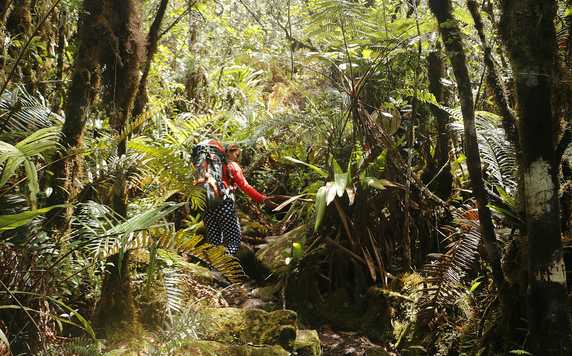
175, 296
497, 154
102, 234
444, 277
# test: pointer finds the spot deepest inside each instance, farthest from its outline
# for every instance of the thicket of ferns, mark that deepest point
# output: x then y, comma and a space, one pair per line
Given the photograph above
381, 148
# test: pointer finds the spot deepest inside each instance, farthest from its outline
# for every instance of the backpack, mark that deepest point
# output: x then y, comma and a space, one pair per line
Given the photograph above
209, 159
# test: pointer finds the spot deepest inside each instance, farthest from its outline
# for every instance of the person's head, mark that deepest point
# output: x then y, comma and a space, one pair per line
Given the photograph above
232, 151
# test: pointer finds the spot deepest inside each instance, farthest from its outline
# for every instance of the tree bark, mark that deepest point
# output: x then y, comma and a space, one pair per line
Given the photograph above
85, 84
60, 60
493, 80
116, 308
451, 36
444, 180
152, 39
529, 34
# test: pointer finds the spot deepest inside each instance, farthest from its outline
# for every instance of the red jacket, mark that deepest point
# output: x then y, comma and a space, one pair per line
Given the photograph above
234, 177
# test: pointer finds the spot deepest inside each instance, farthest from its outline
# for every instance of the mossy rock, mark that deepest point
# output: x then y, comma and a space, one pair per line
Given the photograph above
214, 348
307, 343
249, 326
273, 255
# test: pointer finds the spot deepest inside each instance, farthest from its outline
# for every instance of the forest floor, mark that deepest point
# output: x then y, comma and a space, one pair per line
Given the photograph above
333, 342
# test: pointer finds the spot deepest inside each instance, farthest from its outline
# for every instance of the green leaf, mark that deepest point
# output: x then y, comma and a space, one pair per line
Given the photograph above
340, 178
568, 12
11, 222
316, 169
320, 206
331, 192
381, 184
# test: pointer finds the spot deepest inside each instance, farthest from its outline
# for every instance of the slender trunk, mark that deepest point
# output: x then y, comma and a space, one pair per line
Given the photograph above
60, 60
493, 80
5, 10
85, 83
152, 39
451, 36
529, 34
443, 181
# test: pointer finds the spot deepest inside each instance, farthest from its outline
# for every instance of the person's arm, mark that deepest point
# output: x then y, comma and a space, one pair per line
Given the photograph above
238, 177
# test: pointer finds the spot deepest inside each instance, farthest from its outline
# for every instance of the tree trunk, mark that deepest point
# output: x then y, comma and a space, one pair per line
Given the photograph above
529, 34
443, 181
61, 50
152, 39
116, 308
68, 168
493, 80
451, 36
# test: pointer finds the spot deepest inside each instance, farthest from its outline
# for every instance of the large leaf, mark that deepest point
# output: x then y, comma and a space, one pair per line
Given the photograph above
340, 179
320, 206
316, 169
14, 156
10, 222
381, 184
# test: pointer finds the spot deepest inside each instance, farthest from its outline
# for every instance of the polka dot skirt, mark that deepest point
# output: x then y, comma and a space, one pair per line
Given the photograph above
222, 226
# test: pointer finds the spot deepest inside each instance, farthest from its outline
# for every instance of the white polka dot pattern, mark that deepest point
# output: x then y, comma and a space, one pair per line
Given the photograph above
223, 227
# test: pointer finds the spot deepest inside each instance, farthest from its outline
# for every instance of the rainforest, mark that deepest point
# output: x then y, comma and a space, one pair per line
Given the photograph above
285, 177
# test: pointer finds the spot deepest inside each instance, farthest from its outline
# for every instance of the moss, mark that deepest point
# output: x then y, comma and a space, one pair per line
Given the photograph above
255, 326
307, 343
213, 348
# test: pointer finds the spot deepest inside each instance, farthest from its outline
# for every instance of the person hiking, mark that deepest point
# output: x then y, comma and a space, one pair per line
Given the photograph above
221, 223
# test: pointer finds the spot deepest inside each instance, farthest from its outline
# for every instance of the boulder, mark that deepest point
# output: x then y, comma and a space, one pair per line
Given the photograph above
249, 326
274, 255
307, 343
214, 348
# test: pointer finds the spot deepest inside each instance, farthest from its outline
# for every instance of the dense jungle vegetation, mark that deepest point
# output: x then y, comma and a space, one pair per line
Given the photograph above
424, 145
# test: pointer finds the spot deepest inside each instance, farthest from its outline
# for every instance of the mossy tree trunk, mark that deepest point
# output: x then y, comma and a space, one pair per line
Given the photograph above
116, 311
529, 35
85, 83
493, 80
451, 35
441, 174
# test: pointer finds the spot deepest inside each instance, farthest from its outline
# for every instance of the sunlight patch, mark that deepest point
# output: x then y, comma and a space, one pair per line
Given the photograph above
539, 188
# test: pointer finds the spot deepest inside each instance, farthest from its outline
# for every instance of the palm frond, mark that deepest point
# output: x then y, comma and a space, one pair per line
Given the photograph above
12, 157
172, 167
22, 112
103, 234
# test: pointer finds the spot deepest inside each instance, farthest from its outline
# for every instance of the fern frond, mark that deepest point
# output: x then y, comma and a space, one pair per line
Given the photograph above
444, 276
497, 154
175, 295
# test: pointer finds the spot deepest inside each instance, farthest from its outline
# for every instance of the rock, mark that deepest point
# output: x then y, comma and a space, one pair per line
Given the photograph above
266, 293
214, 348
254, 304
307, 343
273, 256
249, 326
